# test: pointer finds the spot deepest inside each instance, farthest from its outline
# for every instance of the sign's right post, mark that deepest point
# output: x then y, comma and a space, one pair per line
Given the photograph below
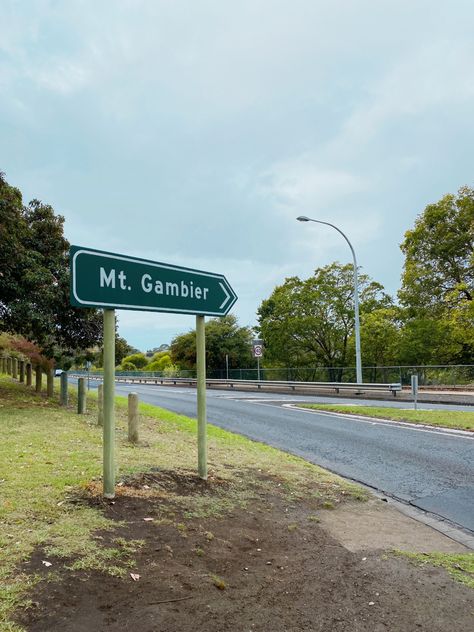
201, 395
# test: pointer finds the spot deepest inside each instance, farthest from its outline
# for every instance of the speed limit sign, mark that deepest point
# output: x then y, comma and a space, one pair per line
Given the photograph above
257, 350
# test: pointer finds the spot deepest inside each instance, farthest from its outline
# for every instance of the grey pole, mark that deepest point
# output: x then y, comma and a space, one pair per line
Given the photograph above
100, 405
303, 218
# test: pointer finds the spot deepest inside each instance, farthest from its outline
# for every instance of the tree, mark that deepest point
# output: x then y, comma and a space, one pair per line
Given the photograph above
139, 360
34, 277
379, 336
122, 349
310, 322
438, 280
160, 361
439, 254
223, 337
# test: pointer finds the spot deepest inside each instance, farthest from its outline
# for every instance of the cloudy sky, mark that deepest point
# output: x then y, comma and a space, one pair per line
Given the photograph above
194, 132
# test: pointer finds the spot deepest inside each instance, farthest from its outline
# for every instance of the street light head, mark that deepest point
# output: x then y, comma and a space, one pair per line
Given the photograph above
303, 218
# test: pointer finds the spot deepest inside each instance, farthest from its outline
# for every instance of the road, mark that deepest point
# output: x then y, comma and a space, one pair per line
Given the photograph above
431, 469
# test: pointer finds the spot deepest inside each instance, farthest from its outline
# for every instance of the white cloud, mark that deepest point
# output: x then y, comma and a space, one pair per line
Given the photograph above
303, 183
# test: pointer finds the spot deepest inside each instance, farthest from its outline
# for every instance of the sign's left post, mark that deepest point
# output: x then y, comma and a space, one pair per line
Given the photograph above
109, 403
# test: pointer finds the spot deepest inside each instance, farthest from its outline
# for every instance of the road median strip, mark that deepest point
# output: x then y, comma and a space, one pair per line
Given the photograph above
452, 419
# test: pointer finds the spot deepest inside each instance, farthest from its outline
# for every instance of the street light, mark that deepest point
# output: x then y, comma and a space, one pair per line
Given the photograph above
303, 218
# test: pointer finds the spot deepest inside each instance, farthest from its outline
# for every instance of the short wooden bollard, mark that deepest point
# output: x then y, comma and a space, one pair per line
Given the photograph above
63, 393
22, 371
39, 378
15, 368
133, 417
9, 366
81, 396
100, 405
50, 382
29, 374
3, 365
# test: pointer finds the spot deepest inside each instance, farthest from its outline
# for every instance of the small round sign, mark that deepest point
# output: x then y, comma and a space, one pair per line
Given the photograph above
258, 351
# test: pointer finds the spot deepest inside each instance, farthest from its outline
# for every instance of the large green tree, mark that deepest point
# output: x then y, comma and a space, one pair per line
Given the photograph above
34, 277
310, 322
223, 337
438, 282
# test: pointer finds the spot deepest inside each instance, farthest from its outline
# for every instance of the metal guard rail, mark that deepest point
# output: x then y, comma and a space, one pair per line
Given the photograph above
358, 388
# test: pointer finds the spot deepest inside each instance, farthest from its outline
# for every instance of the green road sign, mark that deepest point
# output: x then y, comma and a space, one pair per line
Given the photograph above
112, 281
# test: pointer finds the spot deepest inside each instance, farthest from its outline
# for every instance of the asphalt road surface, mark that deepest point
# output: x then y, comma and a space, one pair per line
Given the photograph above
431, 469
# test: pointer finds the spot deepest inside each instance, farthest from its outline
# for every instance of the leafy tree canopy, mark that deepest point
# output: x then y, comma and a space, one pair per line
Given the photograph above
139, 360
309, 322
34, 277
223, 337
439, 254
438, 283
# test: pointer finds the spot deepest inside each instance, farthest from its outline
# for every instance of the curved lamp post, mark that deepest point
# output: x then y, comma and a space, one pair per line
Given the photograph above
303, 218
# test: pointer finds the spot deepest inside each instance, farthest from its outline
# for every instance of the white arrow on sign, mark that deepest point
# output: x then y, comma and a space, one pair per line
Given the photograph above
227, 295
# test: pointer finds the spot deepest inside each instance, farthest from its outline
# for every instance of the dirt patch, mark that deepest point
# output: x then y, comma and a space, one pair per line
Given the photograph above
376, 525
270, 566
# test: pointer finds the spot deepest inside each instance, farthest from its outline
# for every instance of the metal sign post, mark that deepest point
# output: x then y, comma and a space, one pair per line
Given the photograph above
257, 351
112, 281
201, 395
109, 403
88, 367
414, 390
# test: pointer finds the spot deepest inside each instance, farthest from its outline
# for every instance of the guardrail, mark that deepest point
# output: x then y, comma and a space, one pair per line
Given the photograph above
358, 389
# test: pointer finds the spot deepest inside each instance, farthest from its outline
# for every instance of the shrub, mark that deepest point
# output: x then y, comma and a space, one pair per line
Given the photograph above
127, 366
139, 360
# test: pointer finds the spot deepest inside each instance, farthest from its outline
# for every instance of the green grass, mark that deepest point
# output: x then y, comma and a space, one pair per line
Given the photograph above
460, 420
50, 457
460, 566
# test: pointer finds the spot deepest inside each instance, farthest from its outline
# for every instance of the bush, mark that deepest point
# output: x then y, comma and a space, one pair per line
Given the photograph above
127, 366
139, 360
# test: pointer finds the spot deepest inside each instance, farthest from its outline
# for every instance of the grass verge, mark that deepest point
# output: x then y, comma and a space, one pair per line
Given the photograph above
459, 566
460, 420
50, 457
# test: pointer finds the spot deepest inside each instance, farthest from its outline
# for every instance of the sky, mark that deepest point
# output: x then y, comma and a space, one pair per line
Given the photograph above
194, 133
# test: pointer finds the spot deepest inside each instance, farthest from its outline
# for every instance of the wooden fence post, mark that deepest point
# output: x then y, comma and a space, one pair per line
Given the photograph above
81, 396
133, 417
29, 372
50, 382
63, 393
39, 378
22, 370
